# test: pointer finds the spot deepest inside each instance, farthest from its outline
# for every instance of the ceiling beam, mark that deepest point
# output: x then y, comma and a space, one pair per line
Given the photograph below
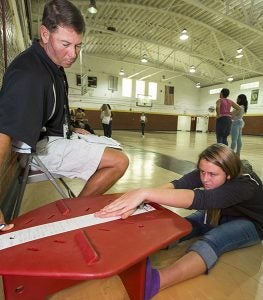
190, 53
197, 4
216, 12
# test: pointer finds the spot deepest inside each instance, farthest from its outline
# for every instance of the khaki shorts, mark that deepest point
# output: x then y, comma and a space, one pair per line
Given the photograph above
73, 158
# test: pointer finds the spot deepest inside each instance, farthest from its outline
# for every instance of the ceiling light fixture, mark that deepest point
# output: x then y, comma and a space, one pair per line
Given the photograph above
230, 79
198, 85
121, 73
192, 69
239, 53
144, 58
92, 7
184, 35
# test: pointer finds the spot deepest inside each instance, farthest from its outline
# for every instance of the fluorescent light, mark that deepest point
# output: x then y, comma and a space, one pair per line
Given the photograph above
230, 79
215, 91
92, 7
192, 69
184, 35
239, 53
144, 58
121, 73
198, 85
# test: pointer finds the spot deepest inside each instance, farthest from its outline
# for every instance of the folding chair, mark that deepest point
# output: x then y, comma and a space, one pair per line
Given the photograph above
27, 161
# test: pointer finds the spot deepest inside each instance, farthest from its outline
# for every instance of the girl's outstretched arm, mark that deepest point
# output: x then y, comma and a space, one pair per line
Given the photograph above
125, 205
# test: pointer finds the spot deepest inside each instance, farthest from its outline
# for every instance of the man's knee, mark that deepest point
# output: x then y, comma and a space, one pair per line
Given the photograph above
122, 162
116, 159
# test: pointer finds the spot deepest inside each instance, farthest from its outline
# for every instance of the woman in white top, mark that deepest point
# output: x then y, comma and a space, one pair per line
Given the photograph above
238, 123
105, 117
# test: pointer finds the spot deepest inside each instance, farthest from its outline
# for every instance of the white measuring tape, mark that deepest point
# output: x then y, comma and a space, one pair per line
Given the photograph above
22, 236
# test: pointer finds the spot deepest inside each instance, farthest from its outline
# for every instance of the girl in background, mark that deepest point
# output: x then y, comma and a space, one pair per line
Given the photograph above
238, 123
223, 111
111, 118
105, 117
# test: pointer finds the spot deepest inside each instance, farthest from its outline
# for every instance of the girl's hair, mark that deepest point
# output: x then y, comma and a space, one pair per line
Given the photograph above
242, 100
225, 92
62, 13
223, 157
106, 110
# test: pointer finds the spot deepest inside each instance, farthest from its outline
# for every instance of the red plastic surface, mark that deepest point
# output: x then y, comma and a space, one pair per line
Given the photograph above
99, 251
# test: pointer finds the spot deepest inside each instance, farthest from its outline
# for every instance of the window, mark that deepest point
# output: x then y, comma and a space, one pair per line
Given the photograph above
215, 91
92, 81
126, 87
250, 85
78, 79
152, 90
169, 95
140, 88
113, 83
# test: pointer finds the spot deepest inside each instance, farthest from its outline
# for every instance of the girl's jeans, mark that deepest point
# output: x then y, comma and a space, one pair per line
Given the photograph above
223, 127
232, 233
236, 134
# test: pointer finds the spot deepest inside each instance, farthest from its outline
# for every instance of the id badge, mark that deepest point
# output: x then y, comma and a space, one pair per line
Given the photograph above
65, 131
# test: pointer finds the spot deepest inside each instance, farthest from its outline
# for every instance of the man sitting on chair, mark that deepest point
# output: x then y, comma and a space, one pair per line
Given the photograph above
35, 91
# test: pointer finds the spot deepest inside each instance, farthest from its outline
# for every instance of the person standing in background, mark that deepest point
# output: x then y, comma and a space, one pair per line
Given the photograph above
105, 117
224, 121
111, 118
143, 121
238, 123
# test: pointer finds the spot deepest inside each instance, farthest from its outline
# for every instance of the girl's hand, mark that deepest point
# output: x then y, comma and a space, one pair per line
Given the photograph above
123, 206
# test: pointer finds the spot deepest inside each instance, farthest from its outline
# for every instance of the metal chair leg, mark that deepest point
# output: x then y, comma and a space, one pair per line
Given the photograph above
49, 176
70, 193
22, 183
33, 160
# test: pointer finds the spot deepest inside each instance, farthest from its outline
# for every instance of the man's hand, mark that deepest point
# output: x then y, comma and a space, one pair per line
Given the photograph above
81, 131
3, 225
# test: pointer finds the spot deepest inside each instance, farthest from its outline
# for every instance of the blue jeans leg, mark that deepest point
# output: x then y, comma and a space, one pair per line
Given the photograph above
236, 134
198, 227
231, 234
223, 127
